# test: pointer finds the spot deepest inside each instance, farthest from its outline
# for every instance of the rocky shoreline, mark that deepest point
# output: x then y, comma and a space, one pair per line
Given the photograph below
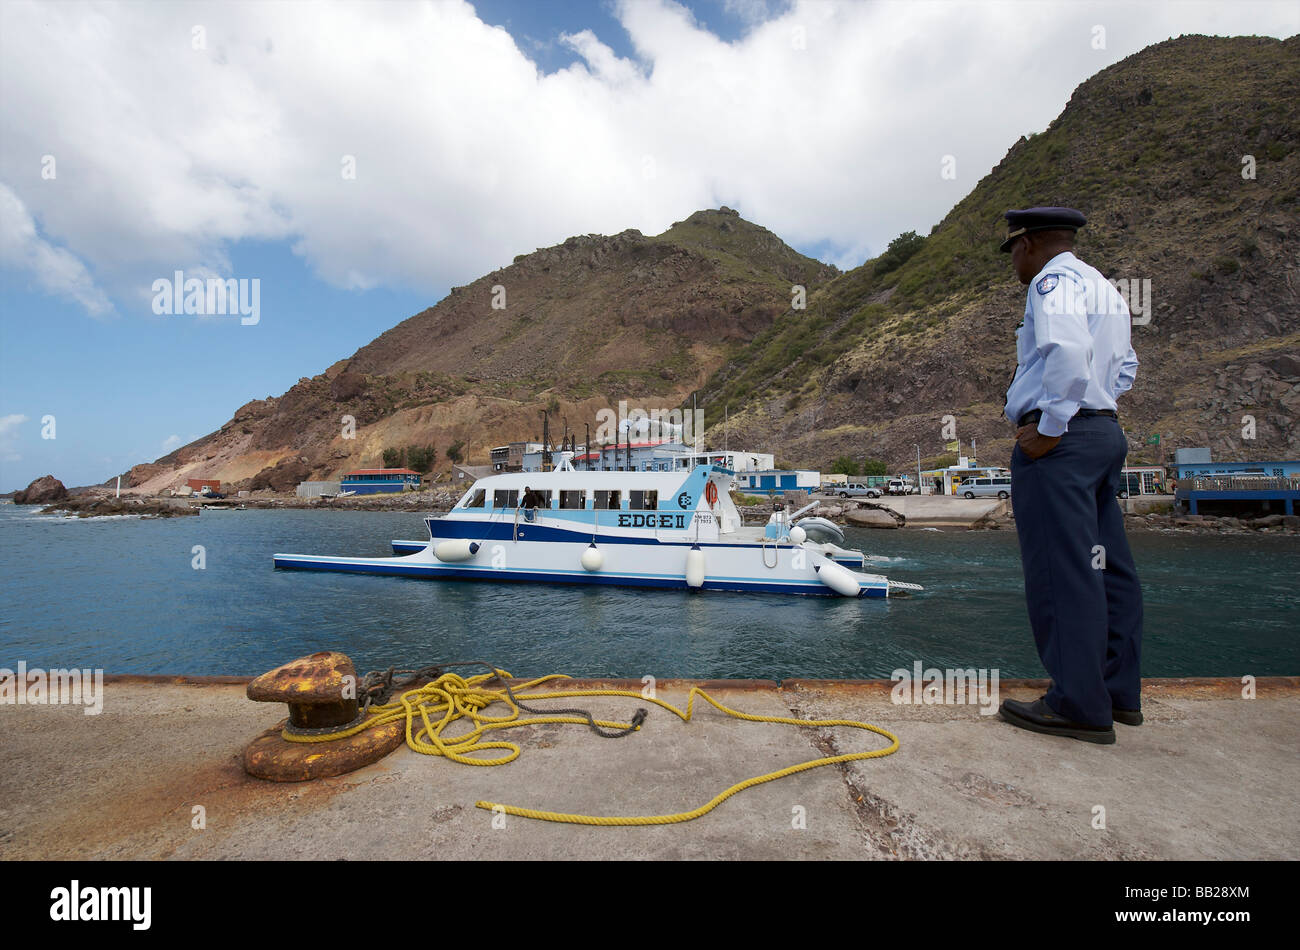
95, 504
90, 504
1212, 524
1170, 522
107, 507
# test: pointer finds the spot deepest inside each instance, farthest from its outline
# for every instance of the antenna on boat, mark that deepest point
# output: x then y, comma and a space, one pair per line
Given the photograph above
694, 414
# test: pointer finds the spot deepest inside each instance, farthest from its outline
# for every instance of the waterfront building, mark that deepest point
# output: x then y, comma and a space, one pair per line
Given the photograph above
776, 482
375, 481
1143, 479
510, 457
1259, 485
466, 474
947, 481
1196, 463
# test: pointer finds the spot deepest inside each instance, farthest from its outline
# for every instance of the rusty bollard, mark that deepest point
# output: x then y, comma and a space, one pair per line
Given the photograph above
321, 692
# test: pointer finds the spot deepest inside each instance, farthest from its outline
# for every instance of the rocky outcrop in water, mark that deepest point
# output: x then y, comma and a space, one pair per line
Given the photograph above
99, 506
43, 491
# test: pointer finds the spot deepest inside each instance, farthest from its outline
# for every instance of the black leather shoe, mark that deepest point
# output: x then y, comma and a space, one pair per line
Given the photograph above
1038, 717
1130, 717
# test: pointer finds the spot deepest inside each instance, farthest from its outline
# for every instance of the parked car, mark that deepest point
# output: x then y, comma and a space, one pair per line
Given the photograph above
858, 490
999, 485
899, 486
1130, 483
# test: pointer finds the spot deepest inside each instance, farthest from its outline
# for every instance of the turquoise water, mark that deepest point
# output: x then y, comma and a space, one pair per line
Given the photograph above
121, 594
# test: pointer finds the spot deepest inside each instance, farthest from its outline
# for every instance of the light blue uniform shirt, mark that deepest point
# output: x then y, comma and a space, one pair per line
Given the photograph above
1073, 348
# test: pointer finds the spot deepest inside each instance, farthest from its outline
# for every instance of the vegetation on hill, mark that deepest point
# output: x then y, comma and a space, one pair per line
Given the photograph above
1153, 150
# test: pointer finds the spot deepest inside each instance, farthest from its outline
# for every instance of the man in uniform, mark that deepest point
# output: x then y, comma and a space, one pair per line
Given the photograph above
1082, 590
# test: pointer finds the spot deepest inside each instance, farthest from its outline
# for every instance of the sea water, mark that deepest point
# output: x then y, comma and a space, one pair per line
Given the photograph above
199, 595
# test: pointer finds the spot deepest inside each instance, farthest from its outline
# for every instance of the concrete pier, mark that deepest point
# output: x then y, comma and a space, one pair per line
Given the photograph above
1209, 775
943, 510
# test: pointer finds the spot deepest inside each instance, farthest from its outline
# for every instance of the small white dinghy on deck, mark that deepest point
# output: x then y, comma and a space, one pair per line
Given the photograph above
639, 529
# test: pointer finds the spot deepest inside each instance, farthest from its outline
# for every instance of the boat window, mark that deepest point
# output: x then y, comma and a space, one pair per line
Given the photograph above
536, 498
607, 499
571, 499
644, 500
474, 498
503, 498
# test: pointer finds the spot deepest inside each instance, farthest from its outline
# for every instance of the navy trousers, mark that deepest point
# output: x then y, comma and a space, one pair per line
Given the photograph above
1081, 587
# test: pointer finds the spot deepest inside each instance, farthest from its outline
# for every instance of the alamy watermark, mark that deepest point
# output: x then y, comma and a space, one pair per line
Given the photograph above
37, 687
680, 425
934, 687
1113, 297
77, 902
213, 297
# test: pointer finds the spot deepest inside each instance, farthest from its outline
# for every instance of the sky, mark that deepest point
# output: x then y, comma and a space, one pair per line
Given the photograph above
351, 162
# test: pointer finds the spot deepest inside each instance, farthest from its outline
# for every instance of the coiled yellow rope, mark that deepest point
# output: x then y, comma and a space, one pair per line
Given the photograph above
451, 697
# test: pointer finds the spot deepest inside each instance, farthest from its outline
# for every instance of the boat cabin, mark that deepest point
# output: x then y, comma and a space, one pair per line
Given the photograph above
696, 502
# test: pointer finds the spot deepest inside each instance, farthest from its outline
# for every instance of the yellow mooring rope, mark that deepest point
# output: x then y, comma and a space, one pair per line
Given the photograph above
451, 697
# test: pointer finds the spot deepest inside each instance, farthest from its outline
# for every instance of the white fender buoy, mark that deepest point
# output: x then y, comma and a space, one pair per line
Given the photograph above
798, 535
838, 578
695, 567
455, 549
592, 559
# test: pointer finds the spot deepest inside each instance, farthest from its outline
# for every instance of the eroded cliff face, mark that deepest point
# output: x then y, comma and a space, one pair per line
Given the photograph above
572, 329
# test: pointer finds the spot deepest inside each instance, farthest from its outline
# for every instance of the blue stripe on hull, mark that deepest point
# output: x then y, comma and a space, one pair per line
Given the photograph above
290, 562
443, 528
415, 547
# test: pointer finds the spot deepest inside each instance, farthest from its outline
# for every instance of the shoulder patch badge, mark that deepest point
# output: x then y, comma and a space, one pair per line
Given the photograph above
1048, 284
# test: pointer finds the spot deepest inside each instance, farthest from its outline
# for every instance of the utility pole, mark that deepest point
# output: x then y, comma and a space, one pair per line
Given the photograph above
546, 441
918, 468
586, 445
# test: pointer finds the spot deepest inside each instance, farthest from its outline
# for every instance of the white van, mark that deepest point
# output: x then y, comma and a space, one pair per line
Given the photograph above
999, 485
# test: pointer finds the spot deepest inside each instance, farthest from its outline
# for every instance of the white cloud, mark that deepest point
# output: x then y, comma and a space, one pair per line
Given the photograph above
826, 122
55, 269
8, 431
169, 443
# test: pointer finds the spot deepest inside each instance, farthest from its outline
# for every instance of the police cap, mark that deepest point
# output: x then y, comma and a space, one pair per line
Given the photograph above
1040, 219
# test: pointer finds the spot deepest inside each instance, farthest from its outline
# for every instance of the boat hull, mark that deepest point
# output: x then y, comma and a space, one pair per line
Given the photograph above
727, 567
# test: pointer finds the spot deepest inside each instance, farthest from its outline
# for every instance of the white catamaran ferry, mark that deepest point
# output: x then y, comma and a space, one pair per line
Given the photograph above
640, 529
